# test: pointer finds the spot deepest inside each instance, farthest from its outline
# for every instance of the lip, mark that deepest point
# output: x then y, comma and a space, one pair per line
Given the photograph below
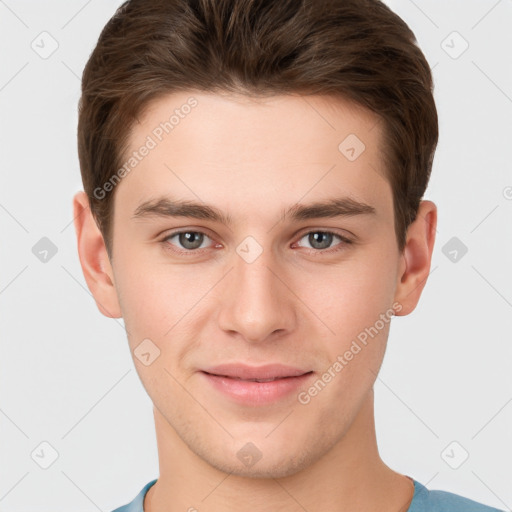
246, 372
234, 381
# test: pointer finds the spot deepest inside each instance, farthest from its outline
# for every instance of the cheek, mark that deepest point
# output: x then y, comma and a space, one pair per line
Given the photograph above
156, 308
148, 300
350, 297
160, 301
144, 302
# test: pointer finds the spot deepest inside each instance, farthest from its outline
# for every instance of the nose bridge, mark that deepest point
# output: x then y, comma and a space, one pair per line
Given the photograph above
256, 302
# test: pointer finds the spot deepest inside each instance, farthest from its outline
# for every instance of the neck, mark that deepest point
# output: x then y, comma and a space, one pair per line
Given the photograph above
350, 477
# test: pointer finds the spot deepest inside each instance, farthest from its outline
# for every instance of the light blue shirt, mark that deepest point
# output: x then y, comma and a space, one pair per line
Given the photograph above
423, 500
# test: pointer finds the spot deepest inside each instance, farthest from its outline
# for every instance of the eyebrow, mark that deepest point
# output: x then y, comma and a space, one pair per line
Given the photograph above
167, 207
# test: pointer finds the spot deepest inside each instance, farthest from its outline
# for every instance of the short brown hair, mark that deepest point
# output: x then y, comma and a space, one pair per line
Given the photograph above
354, 49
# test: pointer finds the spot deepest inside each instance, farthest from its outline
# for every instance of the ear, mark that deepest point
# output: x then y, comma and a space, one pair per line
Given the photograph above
94, 258
416, 257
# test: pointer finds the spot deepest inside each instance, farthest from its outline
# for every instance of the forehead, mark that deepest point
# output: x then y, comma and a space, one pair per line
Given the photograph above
251, 121
205, 145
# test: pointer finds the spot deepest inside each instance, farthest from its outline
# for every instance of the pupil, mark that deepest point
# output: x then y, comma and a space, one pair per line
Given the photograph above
187, 239
324, 239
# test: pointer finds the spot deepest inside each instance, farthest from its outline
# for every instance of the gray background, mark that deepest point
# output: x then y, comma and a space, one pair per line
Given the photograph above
66, 374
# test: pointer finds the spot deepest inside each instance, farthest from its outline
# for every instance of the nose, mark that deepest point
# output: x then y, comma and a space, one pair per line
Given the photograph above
255, 300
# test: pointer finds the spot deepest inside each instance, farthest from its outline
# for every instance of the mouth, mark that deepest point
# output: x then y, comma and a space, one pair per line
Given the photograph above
256, 385
264, 373
251, 380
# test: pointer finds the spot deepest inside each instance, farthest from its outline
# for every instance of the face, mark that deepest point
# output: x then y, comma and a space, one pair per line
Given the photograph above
253, 275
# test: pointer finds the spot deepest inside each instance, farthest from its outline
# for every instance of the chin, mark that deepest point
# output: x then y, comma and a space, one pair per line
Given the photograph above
264, 458
275, 468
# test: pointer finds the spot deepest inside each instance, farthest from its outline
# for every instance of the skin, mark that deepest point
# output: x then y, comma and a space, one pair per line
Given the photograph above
294, 304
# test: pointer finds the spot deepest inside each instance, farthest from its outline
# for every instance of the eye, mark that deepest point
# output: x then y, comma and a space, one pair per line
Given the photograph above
189, 240
322, 240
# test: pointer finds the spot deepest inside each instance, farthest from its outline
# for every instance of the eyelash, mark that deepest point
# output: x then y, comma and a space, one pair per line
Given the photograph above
191, 252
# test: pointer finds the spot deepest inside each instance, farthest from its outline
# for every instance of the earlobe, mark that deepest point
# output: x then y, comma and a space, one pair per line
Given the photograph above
416, 258
94, 259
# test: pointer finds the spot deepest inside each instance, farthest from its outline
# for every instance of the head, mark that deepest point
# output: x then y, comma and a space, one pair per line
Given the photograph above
280, 121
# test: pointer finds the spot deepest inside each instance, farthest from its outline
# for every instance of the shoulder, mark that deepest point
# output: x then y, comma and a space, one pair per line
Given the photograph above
425, 500
137, 504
